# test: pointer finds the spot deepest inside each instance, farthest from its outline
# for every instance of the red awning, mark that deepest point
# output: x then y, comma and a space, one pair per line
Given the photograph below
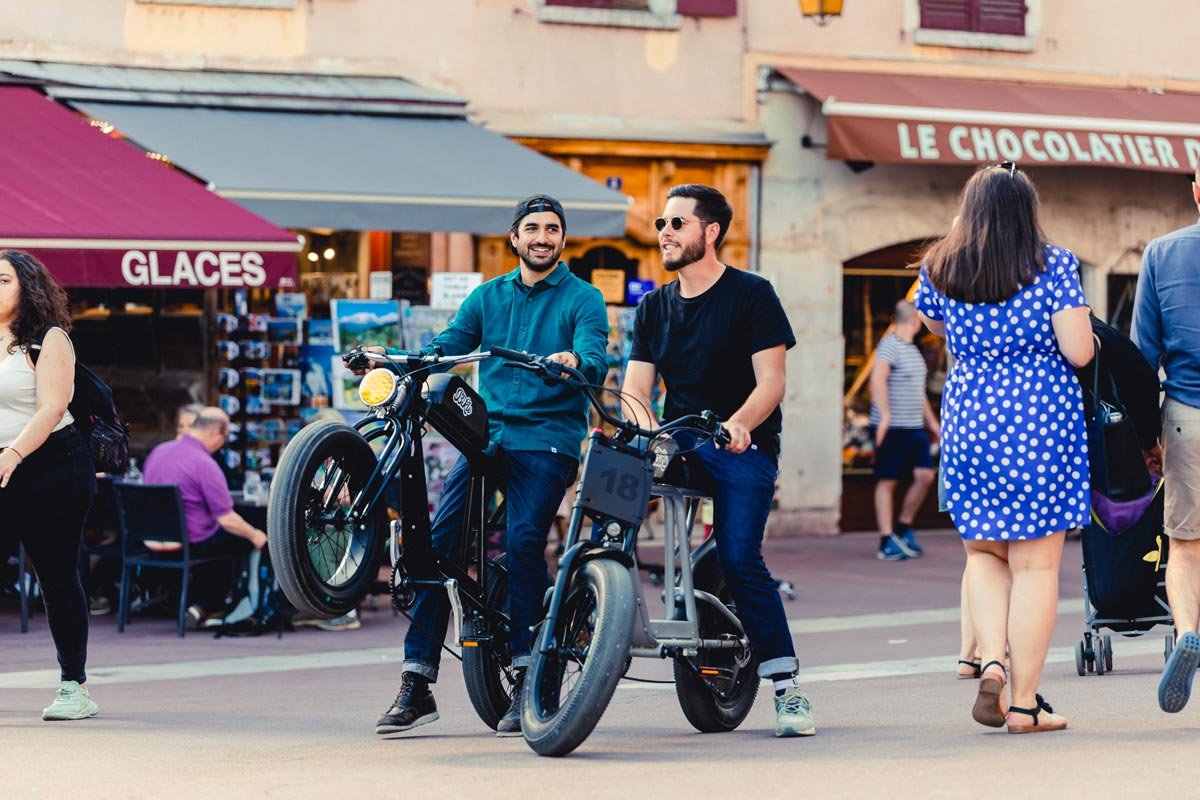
919, 119
99, 212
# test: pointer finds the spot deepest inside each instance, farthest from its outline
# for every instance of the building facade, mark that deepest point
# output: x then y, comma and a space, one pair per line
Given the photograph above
834, 194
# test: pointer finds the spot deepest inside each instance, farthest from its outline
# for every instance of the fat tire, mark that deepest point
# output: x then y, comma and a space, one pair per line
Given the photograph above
483, 666
608, 654
286, 534
704, 710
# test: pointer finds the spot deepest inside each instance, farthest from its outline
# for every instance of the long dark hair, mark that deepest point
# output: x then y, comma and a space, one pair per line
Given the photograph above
996, 246
42, 305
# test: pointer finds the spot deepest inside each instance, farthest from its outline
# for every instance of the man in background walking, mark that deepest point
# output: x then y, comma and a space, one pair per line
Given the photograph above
900, 415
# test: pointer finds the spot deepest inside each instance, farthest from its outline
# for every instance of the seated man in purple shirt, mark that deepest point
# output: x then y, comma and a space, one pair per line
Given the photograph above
214, 528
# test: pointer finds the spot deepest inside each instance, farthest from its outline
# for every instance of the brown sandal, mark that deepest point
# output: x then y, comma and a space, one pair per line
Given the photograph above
1042, 705
988, 710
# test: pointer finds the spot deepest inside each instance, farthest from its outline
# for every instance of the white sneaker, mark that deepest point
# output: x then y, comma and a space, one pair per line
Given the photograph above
71, 701
793, 714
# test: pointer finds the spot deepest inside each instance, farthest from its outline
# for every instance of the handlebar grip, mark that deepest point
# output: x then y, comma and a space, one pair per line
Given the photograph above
356, 360
511, 355
721, 436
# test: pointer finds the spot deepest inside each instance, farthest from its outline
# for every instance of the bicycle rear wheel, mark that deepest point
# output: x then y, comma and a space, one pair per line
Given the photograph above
716, 687
567, 689
325, 563
487, 666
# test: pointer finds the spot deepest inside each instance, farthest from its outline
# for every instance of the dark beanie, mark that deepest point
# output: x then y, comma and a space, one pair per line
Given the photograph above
535, 203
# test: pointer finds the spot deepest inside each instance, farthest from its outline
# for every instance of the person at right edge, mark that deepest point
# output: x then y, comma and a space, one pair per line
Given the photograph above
719, 336
1166, 328
1014, 439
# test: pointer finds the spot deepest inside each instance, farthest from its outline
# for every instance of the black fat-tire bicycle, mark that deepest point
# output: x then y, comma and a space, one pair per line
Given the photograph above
328, 526
597, 616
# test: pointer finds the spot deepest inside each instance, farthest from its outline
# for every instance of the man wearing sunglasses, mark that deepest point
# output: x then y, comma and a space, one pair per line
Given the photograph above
535, 430
719, 336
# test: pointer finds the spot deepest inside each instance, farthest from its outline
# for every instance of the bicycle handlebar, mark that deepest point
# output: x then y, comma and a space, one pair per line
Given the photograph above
561, 372
359, 359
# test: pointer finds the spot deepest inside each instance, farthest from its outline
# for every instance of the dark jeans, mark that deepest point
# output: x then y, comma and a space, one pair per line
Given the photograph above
211, 582
536, 483
44, 507
743, 485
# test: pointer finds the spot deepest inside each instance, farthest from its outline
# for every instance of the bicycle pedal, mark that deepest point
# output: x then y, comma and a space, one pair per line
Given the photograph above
715, 673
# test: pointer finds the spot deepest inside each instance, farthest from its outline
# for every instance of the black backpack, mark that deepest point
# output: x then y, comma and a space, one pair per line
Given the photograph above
96, 418
259, 605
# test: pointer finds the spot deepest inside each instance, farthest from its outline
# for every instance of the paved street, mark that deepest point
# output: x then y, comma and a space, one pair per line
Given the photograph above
293, 717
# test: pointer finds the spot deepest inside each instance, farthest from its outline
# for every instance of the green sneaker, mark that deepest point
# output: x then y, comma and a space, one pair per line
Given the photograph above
71, 701
793, 714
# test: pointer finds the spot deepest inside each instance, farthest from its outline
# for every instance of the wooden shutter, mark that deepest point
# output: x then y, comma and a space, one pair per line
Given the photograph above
1002, 16
946, 15
707, 8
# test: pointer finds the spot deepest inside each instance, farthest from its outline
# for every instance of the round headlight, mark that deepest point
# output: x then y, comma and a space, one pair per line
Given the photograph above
378, 387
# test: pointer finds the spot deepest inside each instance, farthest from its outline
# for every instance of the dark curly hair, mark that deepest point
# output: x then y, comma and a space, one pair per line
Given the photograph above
42, 304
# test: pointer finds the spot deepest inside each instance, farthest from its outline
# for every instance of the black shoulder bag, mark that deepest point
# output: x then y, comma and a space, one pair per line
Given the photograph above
1118, 470
96, 418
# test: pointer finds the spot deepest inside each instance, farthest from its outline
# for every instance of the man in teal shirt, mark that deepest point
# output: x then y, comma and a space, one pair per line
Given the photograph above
536, 431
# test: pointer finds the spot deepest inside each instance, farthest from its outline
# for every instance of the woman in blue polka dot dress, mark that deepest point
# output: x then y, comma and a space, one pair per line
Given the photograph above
1014, 441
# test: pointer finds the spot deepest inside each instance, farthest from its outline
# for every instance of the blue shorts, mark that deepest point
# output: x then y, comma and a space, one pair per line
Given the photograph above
902, 447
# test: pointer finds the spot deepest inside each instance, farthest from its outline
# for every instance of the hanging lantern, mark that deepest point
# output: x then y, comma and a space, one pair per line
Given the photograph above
821, 10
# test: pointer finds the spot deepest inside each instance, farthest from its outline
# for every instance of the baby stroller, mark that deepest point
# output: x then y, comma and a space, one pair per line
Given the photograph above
1124, 586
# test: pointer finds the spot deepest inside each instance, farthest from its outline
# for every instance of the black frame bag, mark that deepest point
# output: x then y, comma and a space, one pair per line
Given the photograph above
96, 418
1118, 470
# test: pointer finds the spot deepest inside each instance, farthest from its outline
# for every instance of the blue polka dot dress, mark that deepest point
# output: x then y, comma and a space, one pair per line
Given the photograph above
1014, 440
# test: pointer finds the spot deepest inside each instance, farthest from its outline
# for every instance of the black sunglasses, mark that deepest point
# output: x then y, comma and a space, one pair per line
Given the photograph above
675, 222
1010, 166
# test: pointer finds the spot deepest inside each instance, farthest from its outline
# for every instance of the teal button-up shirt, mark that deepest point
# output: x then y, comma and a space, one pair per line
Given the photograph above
560, 313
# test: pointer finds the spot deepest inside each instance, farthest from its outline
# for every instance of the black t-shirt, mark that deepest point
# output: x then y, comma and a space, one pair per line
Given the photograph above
702, 346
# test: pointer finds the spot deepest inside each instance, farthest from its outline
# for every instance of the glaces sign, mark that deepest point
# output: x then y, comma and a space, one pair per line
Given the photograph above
185, 269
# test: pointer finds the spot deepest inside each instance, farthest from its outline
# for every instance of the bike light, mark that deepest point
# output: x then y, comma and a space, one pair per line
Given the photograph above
378, 387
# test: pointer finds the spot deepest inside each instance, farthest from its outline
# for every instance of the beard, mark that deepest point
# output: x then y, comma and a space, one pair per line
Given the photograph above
690, 253
536, 262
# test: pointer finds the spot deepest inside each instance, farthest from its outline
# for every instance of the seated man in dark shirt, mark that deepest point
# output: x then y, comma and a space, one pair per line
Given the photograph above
719, 336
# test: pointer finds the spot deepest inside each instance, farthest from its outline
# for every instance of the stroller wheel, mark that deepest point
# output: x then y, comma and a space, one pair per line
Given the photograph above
1107, 642
1098, 657
1080, 665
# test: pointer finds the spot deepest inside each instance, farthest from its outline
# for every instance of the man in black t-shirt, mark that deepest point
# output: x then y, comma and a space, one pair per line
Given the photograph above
719, 336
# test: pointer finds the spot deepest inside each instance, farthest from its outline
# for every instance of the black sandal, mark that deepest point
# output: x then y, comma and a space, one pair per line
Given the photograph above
1042, 705
974, 665
988, 710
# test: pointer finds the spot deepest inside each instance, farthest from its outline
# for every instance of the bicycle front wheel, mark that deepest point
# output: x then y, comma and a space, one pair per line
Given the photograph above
325, 563
568, 689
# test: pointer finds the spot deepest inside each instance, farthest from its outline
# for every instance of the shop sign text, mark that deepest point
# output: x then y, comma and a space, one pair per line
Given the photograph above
200, 269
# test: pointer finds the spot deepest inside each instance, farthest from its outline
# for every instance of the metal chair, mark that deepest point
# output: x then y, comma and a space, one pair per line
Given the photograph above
153, 536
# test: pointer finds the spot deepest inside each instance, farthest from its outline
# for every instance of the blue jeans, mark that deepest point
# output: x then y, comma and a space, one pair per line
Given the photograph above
743, 487
536, 483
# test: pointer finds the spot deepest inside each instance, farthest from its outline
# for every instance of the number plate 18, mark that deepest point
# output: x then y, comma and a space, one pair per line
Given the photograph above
615, 483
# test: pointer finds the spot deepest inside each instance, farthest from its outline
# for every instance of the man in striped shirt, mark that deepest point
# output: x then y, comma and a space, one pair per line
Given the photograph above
900, 415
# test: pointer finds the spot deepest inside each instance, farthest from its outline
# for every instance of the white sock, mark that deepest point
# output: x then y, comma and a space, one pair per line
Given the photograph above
787, 683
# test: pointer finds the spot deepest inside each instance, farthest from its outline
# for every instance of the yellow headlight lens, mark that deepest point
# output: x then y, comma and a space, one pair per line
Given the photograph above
378, 387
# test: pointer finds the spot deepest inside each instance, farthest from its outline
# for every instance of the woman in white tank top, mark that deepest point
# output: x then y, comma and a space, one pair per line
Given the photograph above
47, 479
